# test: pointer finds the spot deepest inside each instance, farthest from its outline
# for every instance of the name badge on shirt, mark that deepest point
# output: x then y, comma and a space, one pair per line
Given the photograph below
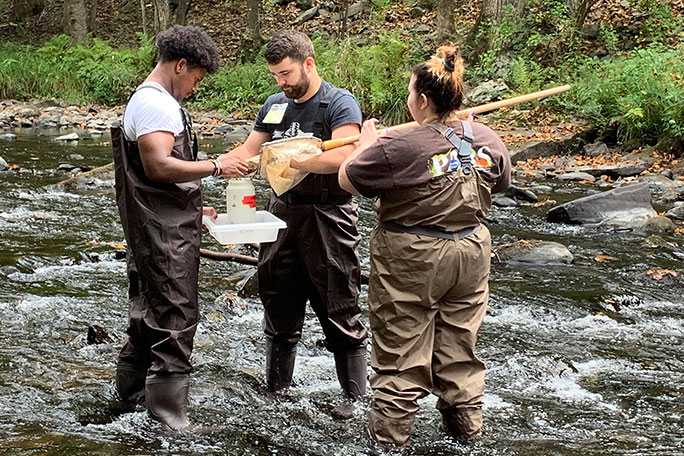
275, 114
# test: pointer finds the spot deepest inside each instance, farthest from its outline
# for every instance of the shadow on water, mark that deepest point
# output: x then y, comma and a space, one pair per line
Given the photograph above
582, 359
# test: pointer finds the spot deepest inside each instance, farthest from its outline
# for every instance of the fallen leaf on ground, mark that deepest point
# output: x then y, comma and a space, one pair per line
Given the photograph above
602, 257
660, 274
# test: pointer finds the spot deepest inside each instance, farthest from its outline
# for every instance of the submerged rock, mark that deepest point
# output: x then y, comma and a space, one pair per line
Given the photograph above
98, 335
624, 206
676, 213
101, 178
658, 224
503, 201
520, 194
67, 138
3, 165
533, 252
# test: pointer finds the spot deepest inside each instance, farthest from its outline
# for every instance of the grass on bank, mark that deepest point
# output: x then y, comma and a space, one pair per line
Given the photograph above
638, 92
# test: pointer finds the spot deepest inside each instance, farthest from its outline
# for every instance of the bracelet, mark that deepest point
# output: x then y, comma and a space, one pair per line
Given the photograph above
218, 168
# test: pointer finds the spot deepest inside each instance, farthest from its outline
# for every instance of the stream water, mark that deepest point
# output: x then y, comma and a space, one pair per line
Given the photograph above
583, 359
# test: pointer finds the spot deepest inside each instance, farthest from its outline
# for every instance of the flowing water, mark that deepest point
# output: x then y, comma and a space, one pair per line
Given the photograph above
583, 359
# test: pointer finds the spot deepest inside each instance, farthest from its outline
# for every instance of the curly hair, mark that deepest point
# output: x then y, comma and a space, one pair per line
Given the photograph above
190, 43
441, 80
288, 43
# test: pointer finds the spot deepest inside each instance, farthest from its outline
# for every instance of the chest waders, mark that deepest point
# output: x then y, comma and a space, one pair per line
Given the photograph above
427, 297
464, 147
313, 259
162, 227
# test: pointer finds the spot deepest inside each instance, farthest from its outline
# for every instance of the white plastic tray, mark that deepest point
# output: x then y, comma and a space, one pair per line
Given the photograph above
265, 229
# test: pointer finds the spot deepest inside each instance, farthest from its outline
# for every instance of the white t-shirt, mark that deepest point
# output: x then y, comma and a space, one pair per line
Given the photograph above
152, 108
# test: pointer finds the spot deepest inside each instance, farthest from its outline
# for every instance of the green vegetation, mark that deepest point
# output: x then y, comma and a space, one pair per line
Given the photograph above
631, 82
240, 89
640, 93
377, 74
89, 72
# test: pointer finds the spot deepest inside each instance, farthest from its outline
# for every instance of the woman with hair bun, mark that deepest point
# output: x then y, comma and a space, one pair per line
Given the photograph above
430, 253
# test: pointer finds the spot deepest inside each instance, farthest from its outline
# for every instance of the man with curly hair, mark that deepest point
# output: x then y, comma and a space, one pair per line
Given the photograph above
314, 259
158, 192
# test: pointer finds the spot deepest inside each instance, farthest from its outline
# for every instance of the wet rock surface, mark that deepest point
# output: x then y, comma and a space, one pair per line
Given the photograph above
532, 252
621, 205
97, 120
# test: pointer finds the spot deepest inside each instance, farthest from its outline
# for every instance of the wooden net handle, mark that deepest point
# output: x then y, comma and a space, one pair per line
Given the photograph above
339, 142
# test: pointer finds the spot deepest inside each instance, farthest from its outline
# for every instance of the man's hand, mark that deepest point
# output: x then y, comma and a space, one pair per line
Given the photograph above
210, 211
233, 166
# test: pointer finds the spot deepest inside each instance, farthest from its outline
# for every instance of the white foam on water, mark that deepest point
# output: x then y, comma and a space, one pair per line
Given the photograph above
44, 273
525, 316
494, 401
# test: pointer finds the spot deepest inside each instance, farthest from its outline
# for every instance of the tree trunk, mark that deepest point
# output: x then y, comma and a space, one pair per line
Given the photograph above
251, 40
344, 10
21, 9
181, 13
75, 19
484, 33
143, 16
161, 15
445, 20
578, 10
92, 15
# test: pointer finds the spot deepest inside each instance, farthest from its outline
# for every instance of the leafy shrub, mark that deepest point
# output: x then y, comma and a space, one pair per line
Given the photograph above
641, 92
377, 75
239, 90
91, 71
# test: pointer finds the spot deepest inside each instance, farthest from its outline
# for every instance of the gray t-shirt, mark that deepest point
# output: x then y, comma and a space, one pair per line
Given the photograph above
342, 110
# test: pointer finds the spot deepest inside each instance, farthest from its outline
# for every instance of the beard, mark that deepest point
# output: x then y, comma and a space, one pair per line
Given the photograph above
298, 89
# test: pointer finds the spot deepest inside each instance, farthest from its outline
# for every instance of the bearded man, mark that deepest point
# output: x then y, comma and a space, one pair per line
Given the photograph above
314, 259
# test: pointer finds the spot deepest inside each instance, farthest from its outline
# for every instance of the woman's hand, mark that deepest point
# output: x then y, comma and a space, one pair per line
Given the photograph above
468, 118
232, 166
370, 134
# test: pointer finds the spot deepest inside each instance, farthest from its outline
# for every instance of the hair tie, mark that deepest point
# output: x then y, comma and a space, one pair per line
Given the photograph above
446, 65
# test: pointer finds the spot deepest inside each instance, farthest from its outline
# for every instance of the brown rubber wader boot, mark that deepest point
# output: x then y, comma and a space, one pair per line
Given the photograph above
464, 423
389, 433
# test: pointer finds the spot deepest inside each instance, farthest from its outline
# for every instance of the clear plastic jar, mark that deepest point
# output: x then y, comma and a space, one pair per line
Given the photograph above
241, 201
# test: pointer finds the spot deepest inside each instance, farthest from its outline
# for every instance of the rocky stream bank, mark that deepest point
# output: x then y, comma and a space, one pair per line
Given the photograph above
637, 191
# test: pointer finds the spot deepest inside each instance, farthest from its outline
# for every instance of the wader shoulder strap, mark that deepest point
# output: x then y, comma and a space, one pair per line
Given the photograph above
320, 113
463, 146
190, 133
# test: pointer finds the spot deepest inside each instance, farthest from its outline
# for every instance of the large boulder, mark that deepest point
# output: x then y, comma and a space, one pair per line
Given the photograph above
624, 206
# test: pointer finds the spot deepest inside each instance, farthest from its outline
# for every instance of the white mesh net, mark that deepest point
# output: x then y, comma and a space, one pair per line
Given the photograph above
275, 161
